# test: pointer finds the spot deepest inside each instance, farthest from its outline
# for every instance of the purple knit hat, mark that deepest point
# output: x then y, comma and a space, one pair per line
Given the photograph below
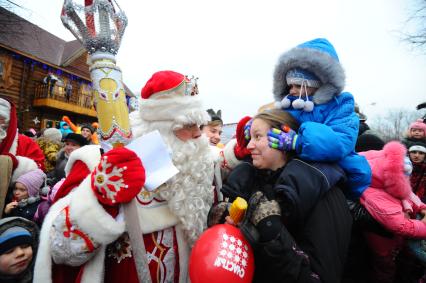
32, 180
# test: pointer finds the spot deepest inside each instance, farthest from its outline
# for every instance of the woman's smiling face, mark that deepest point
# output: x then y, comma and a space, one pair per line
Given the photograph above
264, 157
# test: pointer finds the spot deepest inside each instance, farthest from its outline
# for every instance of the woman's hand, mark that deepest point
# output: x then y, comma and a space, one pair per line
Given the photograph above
228, 220
218, 213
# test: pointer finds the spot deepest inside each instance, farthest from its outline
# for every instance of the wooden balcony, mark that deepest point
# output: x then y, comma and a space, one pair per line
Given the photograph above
78, 103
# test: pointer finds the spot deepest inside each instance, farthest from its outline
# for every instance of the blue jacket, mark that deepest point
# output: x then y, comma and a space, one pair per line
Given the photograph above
64, 132
330, 131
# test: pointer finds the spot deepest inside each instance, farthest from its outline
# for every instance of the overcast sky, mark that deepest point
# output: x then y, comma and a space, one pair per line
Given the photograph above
233, 46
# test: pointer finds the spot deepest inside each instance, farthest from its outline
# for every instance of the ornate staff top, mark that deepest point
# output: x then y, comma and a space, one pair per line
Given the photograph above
99, 25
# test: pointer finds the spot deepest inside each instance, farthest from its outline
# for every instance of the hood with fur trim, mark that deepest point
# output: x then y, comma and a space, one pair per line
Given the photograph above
319, 57
387, 167
27, 274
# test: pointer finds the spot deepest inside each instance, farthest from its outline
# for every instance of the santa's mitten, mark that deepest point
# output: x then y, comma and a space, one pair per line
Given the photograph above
243, 137
118, 178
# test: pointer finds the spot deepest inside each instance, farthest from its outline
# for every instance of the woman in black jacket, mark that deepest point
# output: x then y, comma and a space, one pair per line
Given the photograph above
298, 221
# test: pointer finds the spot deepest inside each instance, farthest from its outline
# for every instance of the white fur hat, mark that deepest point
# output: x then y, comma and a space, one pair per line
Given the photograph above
53, 134
5, 109
170, 96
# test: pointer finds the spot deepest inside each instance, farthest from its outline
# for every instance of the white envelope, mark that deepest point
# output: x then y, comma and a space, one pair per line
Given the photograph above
153, 152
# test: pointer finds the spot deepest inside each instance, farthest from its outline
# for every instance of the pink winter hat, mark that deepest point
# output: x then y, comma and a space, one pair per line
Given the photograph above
32, 180
418, 125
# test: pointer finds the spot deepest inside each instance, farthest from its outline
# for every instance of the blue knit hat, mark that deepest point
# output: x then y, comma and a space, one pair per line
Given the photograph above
297, 76
13, 237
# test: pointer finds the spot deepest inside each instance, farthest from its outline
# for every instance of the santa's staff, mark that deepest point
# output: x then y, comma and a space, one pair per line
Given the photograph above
99, 25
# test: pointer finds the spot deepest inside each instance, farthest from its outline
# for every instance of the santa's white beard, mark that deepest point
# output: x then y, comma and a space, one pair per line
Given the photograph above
190, 192
3, 134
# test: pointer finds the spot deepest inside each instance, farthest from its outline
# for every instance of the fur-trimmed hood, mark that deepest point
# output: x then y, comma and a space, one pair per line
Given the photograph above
387, 167
317, 56
8, 222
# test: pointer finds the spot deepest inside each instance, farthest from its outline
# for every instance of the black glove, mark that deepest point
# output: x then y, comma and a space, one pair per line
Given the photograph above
363, 219
262, 221
217, 213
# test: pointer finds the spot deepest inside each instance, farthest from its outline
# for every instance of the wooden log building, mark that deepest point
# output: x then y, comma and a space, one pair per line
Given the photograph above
28, 54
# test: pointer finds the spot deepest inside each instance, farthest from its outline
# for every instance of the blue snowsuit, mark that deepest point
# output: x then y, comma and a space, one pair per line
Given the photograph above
329, 132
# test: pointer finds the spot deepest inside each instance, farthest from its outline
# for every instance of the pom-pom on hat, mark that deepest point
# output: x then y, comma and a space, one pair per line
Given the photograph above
418, 124
297, 76
171, 96
33, 181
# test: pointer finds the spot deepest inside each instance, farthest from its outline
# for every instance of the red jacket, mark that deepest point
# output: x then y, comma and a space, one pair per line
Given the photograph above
29, 148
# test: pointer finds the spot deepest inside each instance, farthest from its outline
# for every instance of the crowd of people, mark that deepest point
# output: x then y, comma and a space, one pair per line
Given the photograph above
328, 199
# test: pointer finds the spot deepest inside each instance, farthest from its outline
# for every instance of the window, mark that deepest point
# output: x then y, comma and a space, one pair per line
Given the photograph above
6, 62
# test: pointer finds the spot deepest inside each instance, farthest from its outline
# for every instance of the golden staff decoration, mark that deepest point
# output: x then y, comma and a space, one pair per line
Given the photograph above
99, 25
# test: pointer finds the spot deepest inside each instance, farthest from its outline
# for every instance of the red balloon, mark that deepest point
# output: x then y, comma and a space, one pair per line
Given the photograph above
221, 254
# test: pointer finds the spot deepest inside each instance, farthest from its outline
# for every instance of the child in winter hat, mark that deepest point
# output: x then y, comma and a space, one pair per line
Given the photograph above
416, 134
26, 196
391, 202
18, 248
64, 128
213, 129
52, 134
308, 83
418, 129
417, 154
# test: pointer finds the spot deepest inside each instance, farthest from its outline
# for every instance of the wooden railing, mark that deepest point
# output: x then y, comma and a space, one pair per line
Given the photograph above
58, 93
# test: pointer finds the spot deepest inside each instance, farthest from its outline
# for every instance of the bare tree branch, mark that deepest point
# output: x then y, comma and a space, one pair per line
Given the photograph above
13, 3
394, 124
417, 20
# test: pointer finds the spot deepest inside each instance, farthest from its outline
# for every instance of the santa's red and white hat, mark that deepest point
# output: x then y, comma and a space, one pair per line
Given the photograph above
171, 96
